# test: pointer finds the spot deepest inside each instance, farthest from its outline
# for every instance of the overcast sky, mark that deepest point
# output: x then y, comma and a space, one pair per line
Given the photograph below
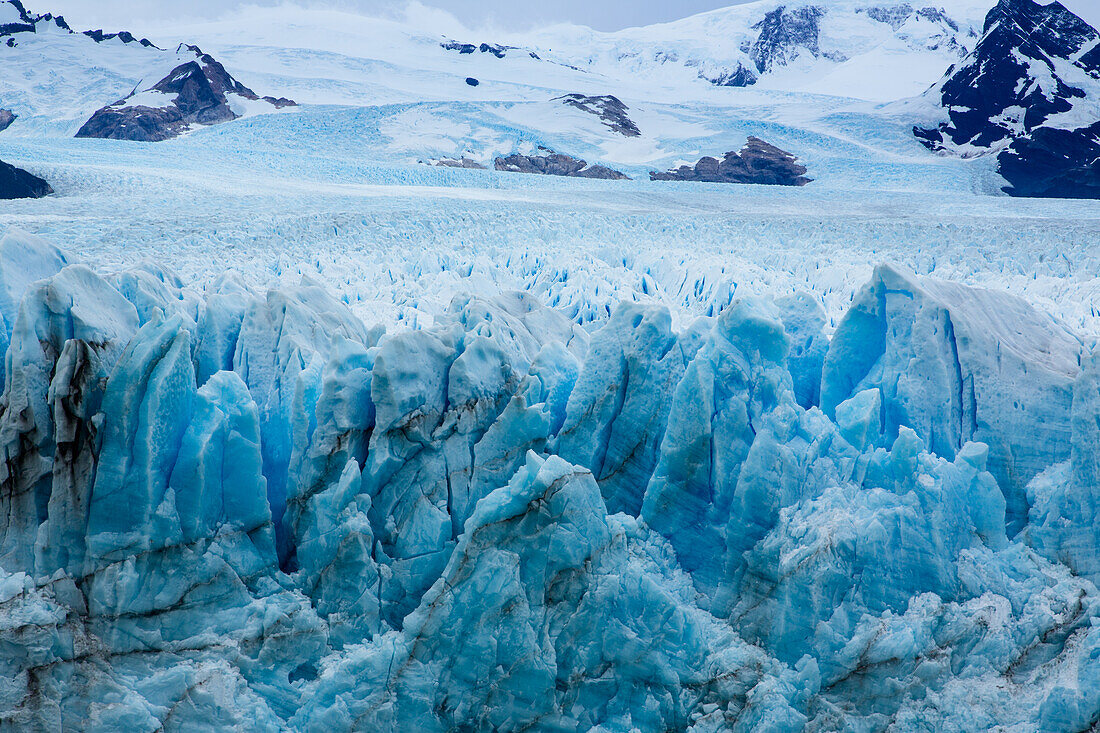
512, 14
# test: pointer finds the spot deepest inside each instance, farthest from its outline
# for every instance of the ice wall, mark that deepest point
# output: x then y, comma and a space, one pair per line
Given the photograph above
240, 510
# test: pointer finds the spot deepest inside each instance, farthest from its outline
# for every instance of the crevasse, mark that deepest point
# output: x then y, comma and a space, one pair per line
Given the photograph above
245, 511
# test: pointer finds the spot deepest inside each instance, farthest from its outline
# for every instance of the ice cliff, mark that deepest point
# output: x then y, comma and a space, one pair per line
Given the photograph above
236, 510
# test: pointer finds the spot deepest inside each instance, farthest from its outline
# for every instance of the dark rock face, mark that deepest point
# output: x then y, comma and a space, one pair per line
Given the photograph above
556, 164
742, 76
998, 77
471, 81
1033, 62
16, 183
937, 15
460, 47
892, 15
610, 110
1054, 163
194, 93
6, 118
495, 49
782, 33
757, 162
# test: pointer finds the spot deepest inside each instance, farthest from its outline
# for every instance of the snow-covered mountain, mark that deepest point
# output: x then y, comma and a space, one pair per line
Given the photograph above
1030, 91
876, 50
568, 89
1035, 65
863, 49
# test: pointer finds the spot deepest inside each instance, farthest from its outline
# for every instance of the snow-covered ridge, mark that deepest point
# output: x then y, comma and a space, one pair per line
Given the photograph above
865, 49
870, 50
59, 78
15, 20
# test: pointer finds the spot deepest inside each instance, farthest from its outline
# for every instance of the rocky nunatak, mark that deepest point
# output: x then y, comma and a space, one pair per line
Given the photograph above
555, 164
757, 162
610, 109
198, 92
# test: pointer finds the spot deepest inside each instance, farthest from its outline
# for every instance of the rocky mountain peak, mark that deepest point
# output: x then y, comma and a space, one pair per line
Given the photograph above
1030, 91
197, 92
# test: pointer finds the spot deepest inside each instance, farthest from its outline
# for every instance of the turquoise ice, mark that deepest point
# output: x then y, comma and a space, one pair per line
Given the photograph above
251, 510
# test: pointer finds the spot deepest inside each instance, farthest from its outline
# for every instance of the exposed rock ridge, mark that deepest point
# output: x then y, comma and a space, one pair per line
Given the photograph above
27, 22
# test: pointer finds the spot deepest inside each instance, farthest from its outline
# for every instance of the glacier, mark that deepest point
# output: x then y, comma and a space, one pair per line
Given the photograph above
229, 507
300, 432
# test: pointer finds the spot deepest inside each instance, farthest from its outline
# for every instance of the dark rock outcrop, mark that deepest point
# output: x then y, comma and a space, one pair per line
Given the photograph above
24, 23
193, 93
610, 110
1034, 62
757, 162
556, 164
460, 47
460, 163
16, 183
742, 76
471, 81
782, 33
6, 118
496, 49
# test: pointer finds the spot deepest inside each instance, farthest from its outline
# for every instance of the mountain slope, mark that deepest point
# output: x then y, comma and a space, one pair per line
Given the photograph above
1030, 92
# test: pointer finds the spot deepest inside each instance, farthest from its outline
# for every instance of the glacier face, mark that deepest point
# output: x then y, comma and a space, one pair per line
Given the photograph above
241, 509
